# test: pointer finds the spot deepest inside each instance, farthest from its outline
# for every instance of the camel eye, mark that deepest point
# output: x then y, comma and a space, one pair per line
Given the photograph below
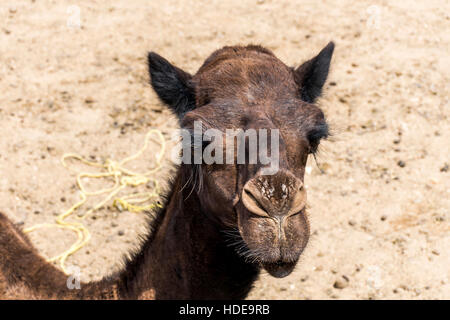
315, 135
313, 146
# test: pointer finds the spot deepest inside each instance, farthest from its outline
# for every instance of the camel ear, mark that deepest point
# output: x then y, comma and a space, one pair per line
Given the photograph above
312, 74
172, 84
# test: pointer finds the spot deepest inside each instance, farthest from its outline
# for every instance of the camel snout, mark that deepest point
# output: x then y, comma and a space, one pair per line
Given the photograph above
277, 196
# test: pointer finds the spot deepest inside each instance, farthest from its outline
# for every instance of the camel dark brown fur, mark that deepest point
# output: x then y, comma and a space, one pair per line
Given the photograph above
220, 223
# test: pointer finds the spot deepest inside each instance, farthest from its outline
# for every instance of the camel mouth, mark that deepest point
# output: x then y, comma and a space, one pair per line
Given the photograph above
279, 269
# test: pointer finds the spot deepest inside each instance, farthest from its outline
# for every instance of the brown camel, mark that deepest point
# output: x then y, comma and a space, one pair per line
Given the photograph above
220, 223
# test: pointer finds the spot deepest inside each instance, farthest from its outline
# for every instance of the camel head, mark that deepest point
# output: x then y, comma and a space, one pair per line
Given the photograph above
251, 122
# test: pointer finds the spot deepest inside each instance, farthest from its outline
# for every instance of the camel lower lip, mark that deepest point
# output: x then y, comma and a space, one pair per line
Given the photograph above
279, 269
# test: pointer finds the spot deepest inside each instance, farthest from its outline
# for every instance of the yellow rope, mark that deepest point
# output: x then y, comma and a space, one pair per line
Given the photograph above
123, 178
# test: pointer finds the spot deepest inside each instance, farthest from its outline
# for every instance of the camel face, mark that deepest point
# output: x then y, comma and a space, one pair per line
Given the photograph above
264, 124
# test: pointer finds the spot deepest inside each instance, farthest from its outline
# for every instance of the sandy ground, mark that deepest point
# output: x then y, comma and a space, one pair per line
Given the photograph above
73, 79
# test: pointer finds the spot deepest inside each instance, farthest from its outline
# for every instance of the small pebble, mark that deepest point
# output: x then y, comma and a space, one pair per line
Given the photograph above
401, 163
383, 218
340, 284
444, 168
121, 233
63, 199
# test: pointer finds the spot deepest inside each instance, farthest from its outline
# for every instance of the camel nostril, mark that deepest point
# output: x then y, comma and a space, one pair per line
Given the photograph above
301, 211
252, 203
298, 203
249, 194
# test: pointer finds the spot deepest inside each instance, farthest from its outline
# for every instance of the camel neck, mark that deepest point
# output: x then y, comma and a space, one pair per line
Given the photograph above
188, 257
